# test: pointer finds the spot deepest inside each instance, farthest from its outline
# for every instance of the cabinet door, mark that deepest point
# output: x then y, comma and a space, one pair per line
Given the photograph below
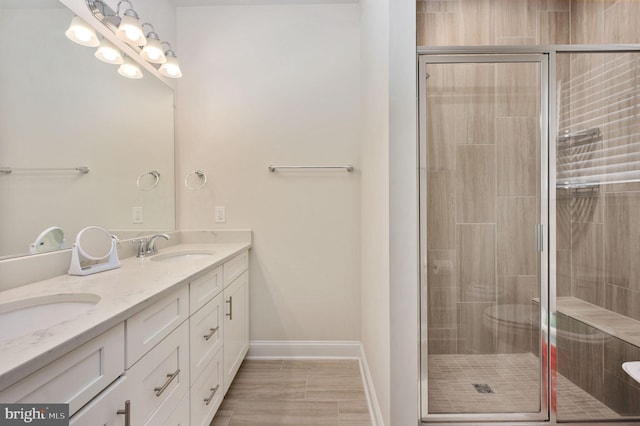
107, 409
236, 327
206, 329
160, 379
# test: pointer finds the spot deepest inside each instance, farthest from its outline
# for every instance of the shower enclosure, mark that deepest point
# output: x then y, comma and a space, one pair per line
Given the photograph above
530, 246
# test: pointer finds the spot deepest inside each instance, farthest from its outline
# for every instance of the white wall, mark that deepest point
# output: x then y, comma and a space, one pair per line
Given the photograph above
278, 84
375, 197
389, 207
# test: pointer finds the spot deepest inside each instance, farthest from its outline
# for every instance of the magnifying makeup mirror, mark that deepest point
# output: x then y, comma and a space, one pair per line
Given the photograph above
49, 239
94, 251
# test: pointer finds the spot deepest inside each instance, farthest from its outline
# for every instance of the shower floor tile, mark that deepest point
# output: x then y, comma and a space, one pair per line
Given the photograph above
515, 382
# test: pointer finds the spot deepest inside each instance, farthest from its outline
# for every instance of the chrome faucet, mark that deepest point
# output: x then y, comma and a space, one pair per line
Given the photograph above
147, 246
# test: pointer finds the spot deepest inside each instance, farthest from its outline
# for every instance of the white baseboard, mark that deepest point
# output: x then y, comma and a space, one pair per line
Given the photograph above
370, 391
266, 349
270, 349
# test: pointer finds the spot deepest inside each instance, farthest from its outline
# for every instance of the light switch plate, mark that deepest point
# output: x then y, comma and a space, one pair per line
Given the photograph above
221, 216
137, 215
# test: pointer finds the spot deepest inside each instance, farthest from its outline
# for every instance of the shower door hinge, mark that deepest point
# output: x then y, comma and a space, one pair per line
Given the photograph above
539, 238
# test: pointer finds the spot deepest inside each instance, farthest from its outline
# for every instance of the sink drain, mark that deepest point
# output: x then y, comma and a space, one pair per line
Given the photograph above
482, 388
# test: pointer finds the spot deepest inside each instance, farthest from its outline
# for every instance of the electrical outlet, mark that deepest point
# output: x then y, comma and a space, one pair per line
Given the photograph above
137, 215
221, 216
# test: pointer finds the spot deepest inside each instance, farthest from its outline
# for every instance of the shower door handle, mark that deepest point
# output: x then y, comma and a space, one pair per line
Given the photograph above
539, 238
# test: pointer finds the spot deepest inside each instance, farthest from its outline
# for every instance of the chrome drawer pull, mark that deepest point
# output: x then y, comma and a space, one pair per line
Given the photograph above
171, 376
212, 332
213, 392
126, 412
230, 302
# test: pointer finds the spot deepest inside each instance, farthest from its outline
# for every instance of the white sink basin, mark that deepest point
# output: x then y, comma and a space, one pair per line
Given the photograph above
632, 369
181, 256
22, 317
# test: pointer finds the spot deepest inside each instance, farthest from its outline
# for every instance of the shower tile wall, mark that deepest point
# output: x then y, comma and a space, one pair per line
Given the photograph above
482, 205
598, 236
482, 182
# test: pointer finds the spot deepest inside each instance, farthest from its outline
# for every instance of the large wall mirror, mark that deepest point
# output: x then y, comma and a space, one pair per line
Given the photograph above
61, 108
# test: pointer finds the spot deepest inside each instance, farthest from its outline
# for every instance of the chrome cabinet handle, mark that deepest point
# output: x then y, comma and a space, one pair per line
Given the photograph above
126, 412
230, 302
171, 376
213, 392
212, 332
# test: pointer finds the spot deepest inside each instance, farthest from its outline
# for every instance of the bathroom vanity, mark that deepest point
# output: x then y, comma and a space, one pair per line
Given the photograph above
155, 342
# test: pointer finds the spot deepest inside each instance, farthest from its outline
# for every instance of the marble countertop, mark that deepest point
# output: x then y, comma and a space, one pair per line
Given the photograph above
138, 283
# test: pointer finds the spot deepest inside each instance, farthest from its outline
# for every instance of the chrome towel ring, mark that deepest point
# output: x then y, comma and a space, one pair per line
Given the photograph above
156, 178
203, 177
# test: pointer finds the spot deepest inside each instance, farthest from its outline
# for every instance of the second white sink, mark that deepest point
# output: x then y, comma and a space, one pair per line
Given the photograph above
180, 256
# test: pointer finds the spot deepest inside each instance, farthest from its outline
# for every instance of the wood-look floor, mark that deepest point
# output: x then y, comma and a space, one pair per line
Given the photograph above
295, 392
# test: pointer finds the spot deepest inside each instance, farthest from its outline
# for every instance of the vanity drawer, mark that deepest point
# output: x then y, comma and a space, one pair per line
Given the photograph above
180, 416
206, 334
235, 267
148, 327
76, 377
160, 380
103, 410
203, 289
207, 393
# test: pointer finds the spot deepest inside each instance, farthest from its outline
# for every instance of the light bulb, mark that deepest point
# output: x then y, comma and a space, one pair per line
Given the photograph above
108, 53
130, 69
80, 32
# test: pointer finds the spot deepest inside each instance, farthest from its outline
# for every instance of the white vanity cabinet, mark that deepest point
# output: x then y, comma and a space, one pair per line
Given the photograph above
236, 320
169, 364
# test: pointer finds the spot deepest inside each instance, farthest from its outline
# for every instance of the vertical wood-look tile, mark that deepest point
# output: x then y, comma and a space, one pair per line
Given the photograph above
517, 217
621, 239
474, 103
517, 163
477, 22
441, 289
587, 262
475, 336
441, 214
476, 263
441, 126
475, 184
518, 90
515, 18
587, 22
438, 29
553, 28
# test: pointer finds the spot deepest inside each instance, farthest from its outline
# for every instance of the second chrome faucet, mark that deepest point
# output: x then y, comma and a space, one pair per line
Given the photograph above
147, 246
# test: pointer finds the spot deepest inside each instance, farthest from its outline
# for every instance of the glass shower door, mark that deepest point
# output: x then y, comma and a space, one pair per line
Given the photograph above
483, 285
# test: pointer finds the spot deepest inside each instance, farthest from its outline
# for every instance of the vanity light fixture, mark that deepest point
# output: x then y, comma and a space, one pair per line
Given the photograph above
80, 32
152, 51
171, 68
130, 69
130, 30
109, 53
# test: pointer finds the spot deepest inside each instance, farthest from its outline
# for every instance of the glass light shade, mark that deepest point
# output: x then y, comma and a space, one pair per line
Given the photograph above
152, 51
80, 32
130, 69
130, 30
108, 53
171, 68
